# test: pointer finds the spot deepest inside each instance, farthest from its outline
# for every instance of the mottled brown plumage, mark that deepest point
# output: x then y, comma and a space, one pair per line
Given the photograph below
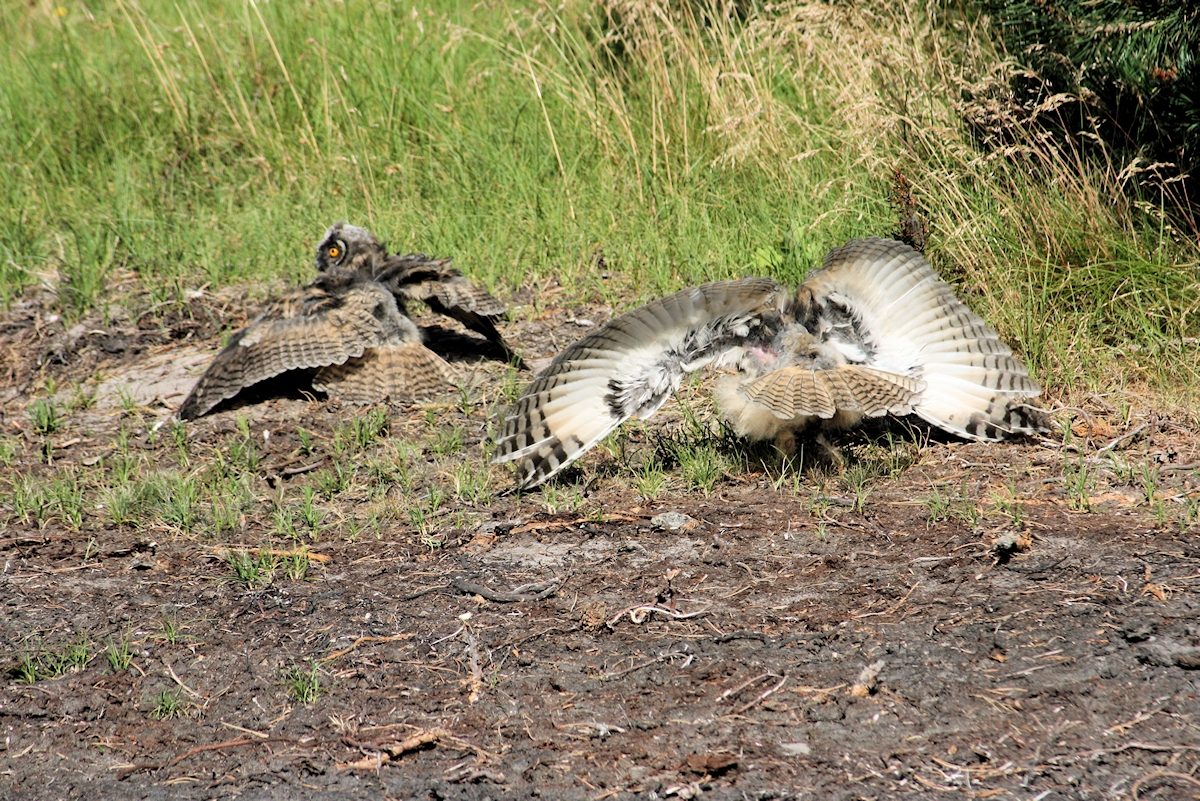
414, 277
343, 325
407, 370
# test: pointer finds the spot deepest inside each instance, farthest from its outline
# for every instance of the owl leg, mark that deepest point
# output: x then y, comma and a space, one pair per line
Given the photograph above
831, 451
785, 443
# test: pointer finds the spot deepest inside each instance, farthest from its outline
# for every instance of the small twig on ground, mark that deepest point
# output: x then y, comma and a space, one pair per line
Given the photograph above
476, 680
132, 769
390, 751
364, 640
639, 614
660, 658
1123, 437
527, 592
1161, 774
741, 635
899, 604
260, 735
540, 524
732, 691
419, 593
472, 773
179, 681
1172, 467
746, 707
306, 468
536, 634
1126, 747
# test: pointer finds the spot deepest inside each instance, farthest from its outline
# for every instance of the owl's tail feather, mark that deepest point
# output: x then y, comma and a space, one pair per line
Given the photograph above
795, 390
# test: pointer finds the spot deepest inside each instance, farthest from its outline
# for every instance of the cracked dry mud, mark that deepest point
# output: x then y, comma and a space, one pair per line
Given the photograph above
799, 641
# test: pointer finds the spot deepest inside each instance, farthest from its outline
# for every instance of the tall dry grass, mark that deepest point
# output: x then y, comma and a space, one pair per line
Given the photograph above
192, 143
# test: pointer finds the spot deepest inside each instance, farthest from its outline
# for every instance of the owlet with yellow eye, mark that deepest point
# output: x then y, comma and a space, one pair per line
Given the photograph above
415, 276
349, 328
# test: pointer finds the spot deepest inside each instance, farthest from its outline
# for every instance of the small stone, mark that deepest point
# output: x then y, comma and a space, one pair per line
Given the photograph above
795, 749
674, 521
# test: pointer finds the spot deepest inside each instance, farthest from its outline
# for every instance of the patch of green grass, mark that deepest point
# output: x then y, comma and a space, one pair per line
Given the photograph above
44, 415
83, 397
284, 520
253, 570
10, 449
369, 428
306, 441
37, 665
966, 509
1149, 479
702, 465
937, 503
857, 479
295, 566
304, 683
447, 441
650, 479
29, 499
180, 501
172, 632
119, 654
1078, 481
472, 482
1008, 503
334, 481
558, 497
179, 436
67, 495
119, 503
310, 515
170, 704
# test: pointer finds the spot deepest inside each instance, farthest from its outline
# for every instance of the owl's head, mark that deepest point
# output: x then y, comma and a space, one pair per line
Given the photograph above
349, 247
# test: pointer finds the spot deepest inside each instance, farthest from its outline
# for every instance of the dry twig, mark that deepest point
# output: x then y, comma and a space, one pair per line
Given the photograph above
526, 592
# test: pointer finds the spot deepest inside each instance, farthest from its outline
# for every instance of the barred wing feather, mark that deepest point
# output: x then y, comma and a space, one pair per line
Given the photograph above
797, 390
889, 303
305, 329
630, 366
403, 371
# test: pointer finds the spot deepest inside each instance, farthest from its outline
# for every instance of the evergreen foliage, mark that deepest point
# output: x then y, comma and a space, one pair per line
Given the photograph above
1131, 66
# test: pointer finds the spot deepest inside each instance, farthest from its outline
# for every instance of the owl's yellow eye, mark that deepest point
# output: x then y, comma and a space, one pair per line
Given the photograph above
334, 252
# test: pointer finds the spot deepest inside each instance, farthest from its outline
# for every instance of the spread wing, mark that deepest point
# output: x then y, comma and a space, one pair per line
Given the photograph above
309, 327
445, 290
630, 366
405, 371
793, 391
881, 304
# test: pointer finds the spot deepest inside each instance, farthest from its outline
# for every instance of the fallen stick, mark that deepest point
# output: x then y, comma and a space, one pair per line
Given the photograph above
744, 708
364, 640
527, 592
386, 753
132, 769
639, 614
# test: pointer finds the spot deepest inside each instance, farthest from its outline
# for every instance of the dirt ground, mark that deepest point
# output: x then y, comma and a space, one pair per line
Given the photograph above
992, 621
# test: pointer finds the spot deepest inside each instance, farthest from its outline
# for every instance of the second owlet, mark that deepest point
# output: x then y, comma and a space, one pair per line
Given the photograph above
350, 326
414, 277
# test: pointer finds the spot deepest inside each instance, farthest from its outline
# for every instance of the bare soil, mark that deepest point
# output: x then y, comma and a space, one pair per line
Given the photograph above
805, 640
